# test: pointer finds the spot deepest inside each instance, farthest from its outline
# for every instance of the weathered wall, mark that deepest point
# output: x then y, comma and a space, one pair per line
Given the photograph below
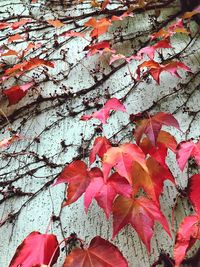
46, 122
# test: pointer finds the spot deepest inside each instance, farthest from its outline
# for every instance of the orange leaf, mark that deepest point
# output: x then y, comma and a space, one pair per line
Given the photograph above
100, 26
56, 23
15, 37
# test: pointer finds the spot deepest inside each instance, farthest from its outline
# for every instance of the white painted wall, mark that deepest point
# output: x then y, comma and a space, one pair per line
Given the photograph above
36, 213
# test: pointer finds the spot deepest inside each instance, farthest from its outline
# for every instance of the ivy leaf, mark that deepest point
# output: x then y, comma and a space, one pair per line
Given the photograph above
15, 37
17, 92
186, 236
155, 69
73, 34
150, 50
159, 152
17, 24
4, 25
122, 159
141, 213
100, 253
78, 179
99, 26
151, 127
37, 62
100, 147
35, 250
56, 23
24, 66
152, 182
104, 113
194, 189
104, 190
100, 48
185, 150
8, 141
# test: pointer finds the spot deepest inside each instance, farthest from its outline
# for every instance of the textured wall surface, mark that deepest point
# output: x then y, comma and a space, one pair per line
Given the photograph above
52, 120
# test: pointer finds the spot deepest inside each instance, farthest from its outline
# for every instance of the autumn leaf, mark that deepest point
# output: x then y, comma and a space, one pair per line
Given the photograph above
17, 92
35, 250
186, 236
36, 62
159, 152
151, 127
100, 253
99, 26
78, 179
141, 213
27, 66
15, 37
115, 57
194, 189
100, 48
100, 147
121, 158
120, 18
4, 25
104, 190
176, 27
185, 150
104, 4
73, 34
104, 113
152, 181
155, 69
56, 23
150, 50
10, 52
17, 24
190, 14
6, 142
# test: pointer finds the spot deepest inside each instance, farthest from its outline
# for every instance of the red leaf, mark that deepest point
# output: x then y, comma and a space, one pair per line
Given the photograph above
4, 25
122, 159
100, 253
103, 113
100, 47
105, 191
153, 181
100, 147
152, 126
17, 92
17, 24
185, 150
78, 179
186, 236
150, 50
155, 69
35, 250
8, 141
141, 213
194, 191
